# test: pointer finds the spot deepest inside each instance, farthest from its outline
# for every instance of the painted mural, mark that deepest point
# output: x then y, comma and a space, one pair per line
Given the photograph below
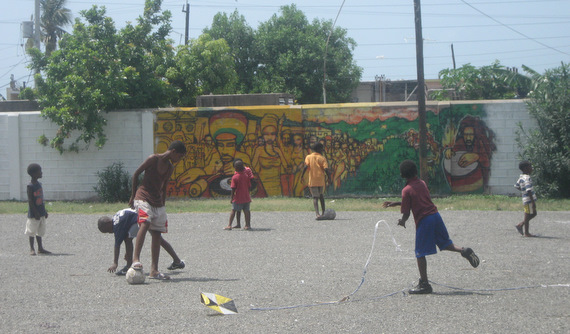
364, 144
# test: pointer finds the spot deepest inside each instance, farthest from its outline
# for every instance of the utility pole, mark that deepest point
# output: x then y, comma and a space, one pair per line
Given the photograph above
37, 36
186, 9
421, 92
453, 55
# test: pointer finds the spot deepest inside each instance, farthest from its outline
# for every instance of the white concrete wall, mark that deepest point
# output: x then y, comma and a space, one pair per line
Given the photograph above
68, 176
504, 117
72, 176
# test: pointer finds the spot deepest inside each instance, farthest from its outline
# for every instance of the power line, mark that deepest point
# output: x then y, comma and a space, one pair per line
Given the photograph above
514, 30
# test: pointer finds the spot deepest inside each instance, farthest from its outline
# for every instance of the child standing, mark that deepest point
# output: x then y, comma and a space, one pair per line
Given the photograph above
524, 184
149, 202
124, 226
430, 229
319, 172
238, 213
240, 198
37, 214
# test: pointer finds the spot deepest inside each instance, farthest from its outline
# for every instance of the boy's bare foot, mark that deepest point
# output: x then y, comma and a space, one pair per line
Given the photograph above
43, 251
520, 229
529, 235
227, 228
32, 252
237, 226
247, 228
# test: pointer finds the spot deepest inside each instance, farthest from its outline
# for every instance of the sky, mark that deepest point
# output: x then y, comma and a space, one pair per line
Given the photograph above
535, 33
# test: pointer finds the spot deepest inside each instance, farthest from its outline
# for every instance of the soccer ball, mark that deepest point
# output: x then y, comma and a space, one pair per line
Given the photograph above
135, 276
329, 214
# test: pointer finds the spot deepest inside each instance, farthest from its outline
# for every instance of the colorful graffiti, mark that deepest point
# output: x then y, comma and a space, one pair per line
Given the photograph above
364, 145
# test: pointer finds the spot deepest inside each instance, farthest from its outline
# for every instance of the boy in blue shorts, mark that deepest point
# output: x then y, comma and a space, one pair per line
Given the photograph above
124, 225
430, 229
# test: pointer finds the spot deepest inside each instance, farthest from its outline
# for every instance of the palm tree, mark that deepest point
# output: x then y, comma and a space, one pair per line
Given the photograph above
53, 18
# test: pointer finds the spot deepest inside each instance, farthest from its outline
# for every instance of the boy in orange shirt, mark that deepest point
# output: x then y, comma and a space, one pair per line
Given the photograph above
318, 168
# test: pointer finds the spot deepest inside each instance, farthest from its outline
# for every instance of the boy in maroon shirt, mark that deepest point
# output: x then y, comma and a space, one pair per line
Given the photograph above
430, 229
240, 198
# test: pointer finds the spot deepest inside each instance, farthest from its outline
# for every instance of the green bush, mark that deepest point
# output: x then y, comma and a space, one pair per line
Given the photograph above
548, 146
114, 184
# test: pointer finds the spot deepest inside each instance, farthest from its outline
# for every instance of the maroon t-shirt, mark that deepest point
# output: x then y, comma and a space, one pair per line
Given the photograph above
416, 197
241, 182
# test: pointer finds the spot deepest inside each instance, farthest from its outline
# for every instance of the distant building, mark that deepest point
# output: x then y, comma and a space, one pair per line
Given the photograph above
245, 100
383, 90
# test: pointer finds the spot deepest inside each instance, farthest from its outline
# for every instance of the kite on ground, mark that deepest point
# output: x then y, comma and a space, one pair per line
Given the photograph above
222, 304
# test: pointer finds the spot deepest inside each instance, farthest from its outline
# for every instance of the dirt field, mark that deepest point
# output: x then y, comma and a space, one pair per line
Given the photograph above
283, 273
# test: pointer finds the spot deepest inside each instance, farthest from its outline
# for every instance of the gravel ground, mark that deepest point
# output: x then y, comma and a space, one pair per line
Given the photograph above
282, 274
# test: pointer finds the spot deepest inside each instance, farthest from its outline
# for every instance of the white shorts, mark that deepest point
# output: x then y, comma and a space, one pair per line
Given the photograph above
36, 227
156, 216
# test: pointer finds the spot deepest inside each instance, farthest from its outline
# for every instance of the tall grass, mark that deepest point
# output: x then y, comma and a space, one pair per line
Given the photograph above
457, 202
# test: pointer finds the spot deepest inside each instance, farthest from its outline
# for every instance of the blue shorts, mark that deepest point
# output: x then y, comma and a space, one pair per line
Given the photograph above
242, 206
431, 231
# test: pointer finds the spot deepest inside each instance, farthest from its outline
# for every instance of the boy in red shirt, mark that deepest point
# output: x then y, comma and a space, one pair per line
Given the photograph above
430, 229
240, 198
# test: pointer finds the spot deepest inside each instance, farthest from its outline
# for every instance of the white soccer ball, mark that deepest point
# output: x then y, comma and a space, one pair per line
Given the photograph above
135, 276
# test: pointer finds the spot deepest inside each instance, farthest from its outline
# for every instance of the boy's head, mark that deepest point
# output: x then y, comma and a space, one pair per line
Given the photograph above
525, 166
34, 170
177, 146
238, 165
105, 224
408, 169
318, 147
178, 150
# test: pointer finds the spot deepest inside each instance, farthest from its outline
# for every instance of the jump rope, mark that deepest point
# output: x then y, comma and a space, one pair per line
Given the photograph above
347, 298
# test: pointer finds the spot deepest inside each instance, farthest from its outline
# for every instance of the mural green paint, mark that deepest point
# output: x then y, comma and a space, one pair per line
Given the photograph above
364, 144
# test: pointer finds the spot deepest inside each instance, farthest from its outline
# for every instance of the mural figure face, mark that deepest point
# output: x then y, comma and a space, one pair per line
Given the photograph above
226, 146
269, 134
469, 136
286, 138
298, 140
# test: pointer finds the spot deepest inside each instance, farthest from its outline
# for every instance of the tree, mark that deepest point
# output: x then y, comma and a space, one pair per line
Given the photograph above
98, 69
489, 82
53, 18
290, 53
202, 67
548, 146
240, 38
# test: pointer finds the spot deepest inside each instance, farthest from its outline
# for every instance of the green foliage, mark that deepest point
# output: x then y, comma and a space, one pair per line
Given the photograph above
53, 18
241, 40
98, 69
27, 94
202, 67
548, 146
485, 83
290, 51
114, 184
286, 54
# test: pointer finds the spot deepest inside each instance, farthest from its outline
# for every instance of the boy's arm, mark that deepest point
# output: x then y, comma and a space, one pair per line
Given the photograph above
32, 203
232, 195
136, 174
389, 204
113, 268
328, 173
402, 221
